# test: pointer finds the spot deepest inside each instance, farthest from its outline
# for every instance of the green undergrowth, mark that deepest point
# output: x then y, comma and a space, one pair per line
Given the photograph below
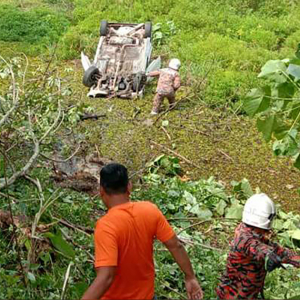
215, 143
207, 242
31, 29
232, 39
202, 212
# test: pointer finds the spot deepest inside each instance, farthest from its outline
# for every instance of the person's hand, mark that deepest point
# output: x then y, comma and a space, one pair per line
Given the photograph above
193, 289
273, 261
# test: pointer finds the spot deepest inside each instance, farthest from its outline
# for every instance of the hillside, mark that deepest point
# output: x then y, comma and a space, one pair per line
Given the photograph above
222, 46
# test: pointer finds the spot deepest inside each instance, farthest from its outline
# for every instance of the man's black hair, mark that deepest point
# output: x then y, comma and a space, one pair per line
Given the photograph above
114, 178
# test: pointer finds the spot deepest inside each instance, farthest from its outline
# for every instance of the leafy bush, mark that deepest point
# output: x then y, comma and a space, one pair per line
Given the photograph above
277, 106
180, 200
33, 26
207, 200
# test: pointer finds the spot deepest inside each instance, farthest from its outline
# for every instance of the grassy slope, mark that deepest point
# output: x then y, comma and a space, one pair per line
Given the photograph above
231, 41
226, 147
219, 142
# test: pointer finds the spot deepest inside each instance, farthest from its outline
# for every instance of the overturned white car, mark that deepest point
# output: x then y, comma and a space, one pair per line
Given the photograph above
121, 61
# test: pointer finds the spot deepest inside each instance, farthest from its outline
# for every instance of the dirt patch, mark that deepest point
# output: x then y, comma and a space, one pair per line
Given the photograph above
79, 173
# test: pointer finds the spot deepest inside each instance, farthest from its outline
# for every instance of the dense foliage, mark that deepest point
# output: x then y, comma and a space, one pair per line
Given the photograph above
228, 40
277, 106
222, 45
34, 26
201, 212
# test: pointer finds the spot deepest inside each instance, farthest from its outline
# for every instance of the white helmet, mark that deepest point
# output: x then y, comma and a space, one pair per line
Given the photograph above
174, 64
259, 211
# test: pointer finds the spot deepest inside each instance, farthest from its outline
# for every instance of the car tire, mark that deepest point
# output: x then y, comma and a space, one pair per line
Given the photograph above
148, 30
138, 82
89, 77
103, 28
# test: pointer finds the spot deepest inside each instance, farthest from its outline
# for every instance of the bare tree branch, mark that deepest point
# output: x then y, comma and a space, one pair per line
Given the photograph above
62, 160
23, 171
53, 125
15, 94
176, 154
36, 152
30, 162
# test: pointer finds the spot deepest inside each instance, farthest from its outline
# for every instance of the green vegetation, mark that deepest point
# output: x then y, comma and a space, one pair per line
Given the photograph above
231, 38
222, 46
278, 105
207, 241
35, 29
34, 26
203, 204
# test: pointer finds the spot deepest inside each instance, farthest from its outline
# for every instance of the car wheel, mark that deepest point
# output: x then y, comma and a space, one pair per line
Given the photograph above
138, 82
103, 28
90, 76
148, 30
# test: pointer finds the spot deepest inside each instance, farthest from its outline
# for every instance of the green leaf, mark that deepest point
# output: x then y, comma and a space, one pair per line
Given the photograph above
202, 213
282, 215
158, 158
297, 162
242, 186
295, 297
31, 276
295, 110
281, 129
189, 198
283, 90
294, 70
234, 212
165, 123
171, 206
61, 245
266, 127
256, 101
296, 234
271, 67
289, 225
287, 146
246, 188
277, 224
220, 208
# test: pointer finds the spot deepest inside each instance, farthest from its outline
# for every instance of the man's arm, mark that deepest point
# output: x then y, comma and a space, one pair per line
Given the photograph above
270, 253
176, 82
193, 288
153, 74
288, 256
104, 279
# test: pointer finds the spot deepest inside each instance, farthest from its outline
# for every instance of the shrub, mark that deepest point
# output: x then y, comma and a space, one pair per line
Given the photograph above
33, 26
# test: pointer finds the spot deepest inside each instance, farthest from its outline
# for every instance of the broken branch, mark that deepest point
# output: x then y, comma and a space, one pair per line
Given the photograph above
225, 154
85, 230
193, 225
63, 160
23, 171
53, 124
15, 94
176, 154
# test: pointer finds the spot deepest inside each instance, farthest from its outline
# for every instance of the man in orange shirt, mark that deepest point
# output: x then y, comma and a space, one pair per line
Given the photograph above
124, 243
